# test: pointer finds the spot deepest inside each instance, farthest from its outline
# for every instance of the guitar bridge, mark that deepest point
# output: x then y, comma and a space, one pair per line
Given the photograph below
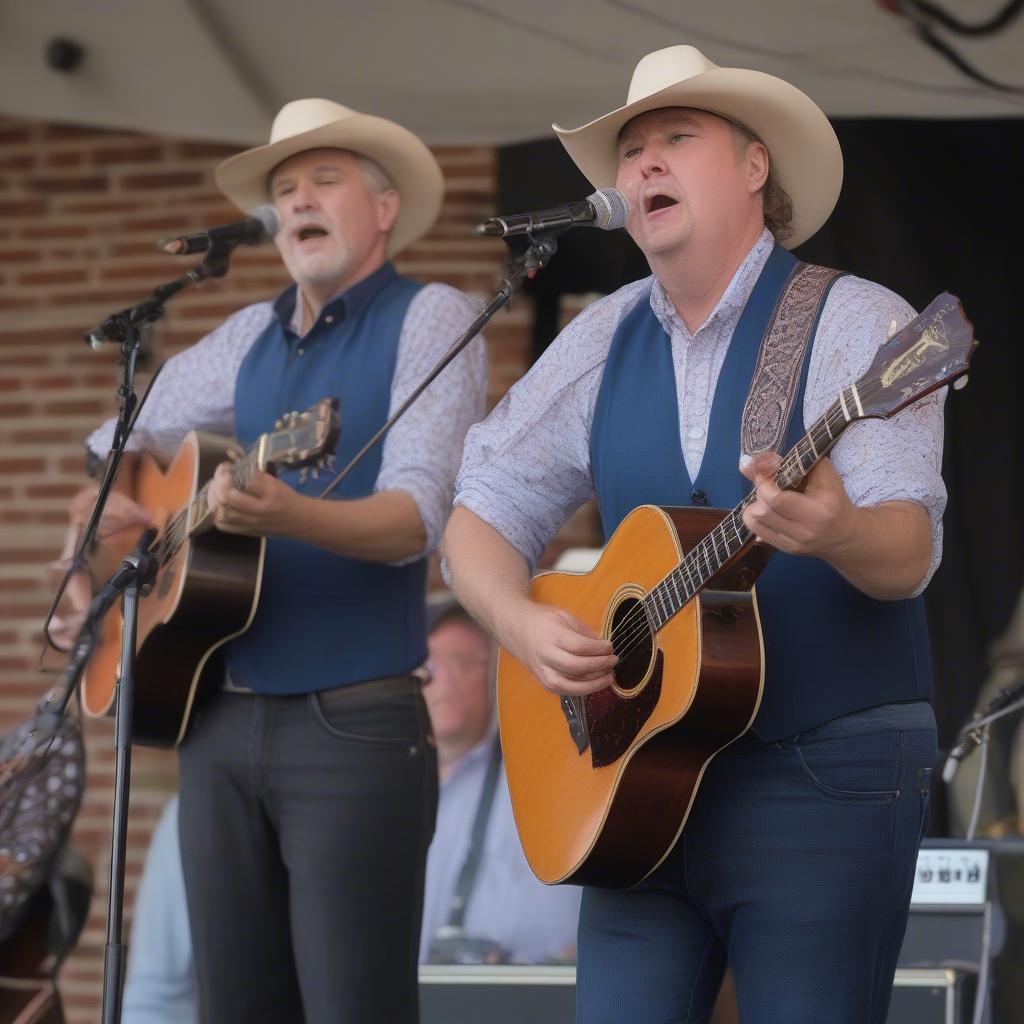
575, 715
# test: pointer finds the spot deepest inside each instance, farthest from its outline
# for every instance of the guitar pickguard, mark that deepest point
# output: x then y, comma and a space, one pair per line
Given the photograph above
613, 721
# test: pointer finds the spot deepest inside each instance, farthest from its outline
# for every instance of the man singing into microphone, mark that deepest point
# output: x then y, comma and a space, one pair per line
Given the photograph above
309, 781
797, 859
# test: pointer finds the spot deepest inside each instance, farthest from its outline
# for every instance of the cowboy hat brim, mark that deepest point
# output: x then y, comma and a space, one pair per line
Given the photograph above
802, 145
244, 178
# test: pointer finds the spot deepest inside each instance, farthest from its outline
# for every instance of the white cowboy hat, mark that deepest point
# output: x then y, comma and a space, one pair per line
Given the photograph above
802, 145
315, 124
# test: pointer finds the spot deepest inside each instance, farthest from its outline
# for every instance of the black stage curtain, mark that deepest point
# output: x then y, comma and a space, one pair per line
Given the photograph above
927, 206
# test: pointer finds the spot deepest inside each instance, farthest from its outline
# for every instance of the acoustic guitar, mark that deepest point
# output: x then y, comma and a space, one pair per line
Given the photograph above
208, 582
602, 785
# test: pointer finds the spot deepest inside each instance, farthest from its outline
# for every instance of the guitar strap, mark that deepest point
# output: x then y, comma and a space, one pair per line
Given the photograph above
774, 387
470, 866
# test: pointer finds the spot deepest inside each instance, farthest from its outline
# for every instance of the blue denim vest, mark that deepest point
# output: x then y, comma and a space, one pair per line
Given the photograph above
829, 649
324, 620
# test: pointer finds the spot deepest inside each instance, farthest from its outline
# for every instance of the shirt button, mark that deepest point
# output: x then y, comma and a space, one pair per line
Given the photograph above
699, 498
329, 319
301, 350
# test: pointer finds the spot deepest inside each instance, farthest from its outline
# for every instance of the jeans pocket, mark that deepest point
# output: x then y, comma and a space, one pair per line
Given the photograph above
391, 722
854, 769
914, 814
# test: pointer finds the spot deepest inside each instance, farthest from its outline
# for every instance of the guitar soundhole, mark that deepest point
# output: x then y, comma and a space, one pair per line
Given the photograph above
616, 714
633, 642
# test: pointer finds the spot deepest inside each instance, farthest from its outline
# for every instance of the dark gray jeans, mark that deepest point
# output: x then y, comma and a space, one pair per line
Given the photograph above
305, 822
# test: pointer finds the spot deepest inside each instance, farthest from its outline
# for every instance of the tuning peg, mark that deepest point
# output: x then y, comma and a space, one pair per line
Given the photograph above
960, 383
315, 472
303, 475
278, 424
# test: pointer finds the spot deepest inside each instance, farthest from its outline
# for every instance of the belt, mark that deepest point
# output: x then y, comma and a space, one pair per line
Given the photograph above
381, 686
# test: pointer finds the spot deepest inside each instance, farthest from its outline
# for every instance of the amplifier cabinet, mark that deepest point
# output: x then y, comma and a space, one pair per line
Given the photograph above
932, 996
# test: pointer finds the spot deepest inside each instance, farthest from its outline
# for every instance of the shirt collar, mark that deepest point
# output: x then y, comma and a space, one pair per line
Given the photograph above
733, 299
343, 306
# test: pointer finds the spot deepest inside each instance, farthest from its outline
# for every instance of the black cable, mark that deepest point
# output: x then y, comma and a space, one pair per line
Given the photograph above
915, 11
996, 23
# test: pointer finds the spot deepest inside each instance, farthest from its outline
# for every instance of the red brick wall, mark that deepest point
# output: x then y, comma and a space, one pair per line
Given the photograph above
80, 211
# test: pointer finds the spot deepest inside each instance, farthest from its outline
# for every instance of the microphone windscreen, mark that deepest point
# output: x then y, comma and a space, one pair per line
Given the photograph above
612, 208
267, 216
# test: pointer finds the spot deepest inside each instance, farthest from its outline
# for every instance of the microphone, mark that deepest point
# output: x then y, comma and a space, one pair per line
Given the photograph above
262, 223
607, 209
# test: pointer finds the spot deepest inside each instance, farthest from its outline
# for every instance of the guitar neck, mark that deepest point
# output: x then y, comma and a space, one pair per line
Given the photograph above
195, 516
731, 537
197, 513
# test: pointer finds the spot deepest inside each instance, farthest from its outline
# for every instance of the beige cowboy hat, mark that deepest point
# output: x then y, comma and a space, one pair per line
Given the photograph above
316, 124
803, 148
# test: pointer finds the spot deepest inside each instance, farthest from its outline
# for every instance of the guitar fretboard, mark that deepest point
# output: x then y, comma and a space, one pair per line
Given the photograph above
727, 540
197, 512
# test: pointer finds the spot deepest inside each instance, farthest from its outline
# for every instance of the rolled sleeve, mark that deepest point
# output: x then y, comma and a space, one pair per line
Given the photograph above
526, 468
898, 459
422, 451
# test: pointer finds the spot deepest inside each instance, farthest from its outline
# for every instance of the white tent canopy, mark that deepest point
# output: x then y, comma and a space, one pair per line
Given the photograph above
469, 71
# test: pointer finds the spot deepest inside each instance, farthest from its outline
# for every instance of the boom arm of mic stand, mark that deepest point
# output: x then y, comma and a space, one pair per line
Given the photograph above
534, 258
124, 326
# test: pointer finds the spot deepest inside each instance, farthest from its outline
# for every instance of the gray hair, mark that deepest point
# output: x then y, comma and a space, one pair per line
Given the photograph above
377, 180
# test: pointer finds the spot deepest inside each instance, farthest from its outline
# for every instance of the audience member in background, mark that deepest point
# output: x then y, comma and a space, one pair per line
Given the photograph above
509, 915
498, 913
161, 987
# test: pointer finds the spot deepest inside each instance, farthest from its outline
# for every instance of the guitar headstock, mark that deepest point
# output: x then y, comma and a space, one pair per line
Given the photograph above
933, 350
301, 438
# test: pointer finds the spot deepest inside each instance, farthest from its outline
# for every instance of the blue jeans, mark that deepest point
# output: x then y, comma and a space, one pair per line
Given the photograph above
795, 868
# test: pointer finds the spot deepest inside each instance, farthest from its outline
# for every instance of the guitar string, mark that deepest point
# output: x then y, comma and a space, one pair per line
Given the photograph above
177, 528
868, 389
636, 624
638, 631
792, 469
639, 634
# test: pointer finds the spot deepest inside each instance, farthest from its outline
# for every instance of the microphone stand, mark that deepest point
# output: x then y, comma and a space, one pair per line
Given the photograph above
978, 732
125, 328
135, 572
540, 247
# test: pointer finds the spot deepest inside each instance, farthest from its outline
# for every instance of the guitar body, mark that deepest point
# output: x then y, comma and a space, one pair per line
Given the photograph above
610, 815
602, 785
204, 594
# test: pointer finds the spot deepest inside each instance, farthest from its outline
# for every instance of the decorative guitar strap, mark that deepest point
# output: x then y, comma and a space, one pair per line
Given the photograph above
769, 405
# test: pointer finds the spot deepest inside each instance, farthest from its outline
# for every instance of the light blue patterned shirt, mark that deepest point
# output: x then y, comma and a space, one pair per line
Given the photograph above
526, 468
